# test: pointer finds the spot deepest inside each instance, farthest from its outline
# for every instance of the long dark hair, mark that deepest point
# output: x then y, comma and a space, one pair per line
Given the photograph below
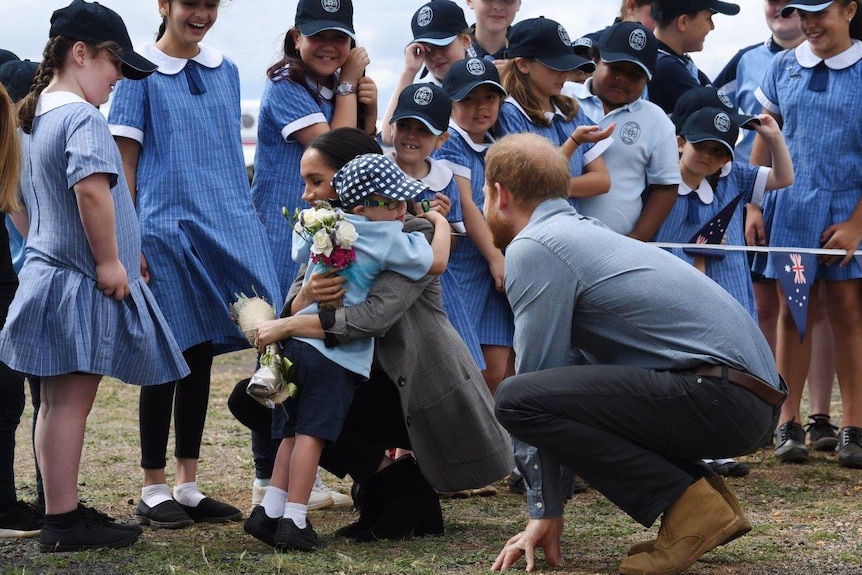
339, 146
291, 65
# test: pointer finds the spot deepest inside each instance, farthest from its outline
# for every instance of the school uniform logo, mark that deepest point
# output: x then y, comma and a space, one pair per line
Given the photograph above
564, 36
423, 96
475, 66
722, 122
638, 39
725, 100
630, 133
426, 14
331, 6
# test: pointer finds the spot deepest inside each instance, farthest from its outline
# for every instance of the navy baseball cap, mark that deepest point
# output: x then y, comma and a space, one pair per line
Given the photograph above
427, 103
315, 16
711, 125
464, 75
547, 42
93, 23
438, 22
17, 77
583, 47
630, 42
374, 174
708, 97
7, 56
667, 9
805, 6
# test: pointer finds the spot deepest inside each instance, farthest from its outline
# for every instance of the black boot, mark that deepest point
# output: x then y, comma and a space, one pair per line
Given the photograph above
370, 510
409, 505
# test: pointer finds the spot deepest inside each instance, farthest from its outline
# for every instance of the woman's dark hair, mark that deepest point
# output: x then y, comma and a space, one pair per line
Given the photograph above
292, 66
52, 58
341, 145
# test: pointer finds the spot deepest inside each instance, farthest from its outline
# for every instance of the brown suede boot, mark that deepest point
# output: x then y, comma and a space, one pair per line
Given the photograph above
697, 522
742, 526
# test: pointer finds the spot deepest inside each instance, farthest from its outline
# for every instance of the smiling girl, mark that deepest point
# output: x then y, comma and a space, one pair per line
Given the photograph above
179, 136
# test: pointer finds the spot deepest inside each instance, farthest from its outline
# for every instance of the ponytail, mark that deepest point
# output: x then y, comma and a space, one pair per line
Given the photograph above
52, 59
10, 155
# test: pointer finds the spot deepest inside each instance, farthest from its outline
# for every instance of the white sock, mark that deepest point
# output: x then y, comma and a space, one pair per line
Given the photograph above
298, 512
152, 495
188, 494
273, 501
261, 482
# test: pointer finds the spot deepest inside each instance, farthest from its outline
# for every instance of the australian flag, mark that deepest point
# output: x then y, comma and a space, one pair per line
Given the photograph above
713, 232
795, 273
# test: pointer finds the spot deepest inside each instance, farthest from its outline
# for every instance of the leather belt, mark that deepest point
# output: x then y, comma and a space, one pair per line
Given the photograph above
755, 385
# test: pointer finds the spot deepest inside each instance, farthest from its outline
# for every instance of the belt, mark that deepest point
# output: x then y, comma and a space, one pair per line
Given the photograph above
755, 385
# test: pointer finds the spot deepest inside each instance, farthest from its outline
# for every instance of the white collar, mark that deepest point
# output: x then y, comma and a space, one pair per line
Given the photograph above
476, 147
808, 59
705, 192
53, 100
549, 115
208, 57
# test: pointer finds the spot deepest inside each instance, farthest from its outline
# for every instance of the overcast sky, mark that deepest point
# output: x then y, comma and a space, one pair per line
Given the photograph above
250, 32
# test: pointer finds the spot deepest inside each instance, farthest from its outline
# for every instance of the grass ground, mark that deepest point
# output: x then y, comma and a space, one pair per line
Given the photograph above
807, 518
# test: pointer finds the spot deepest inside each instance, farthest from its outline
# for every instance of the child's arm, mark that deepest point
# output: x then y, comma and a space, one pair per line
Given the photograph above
760, 152
585, 135
414, 56
130, 152
782, 174
441, 242
479, 232
655, 211
595, 180
96, 208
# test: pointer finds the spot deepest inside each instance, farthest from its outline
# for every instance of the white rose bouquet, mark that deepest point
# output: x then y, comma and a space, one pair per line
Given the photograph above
330, 234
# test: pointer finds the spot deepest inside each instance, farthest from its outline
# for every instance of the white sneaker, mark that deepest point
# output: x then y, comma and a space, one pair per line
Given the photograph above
257, 493
320, 489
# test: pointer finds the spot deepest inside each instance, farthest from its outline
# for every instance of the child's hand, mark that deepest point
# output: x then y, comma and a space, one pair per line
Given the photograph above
755, 229
112, 279
441, 203
435, 218
592, 134
497, 267
768, 127
844, 235
414, 57
366, 92
355, 65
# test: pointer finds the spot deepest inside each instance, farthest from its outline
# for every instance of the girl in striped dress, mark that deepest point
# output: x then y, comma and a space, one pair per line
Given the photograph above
83, 309
815, 93
179, 134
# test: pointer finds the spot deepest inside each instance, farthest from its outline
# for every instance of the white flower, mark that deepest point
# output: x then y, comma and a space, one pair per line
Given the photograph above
321, 244
345, 234
309, 218
325, 216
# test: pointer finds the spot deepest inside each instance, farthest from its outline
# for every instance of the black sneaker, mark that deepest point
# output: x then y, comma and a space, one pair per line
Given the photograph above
738, 469
719, 468
165, 515
261, 526
821, 433
98, 516
850, 447
790, 443
210, 510
88, 533
20, 520
290, 537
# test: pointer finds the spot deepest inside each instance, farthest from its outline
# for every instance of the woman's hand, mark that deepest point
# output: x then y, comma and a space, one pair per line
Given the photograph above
271, 331
112, 279
539, 533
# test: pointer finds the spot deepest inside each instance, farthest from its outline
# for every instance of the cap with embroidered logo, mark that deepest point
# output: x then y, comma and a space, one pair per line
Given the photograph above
708, 97
427, 103
464, 75
630, 42
667, 9
374, 174
711, 125
438, 23
315, 16
547, 42
93, 23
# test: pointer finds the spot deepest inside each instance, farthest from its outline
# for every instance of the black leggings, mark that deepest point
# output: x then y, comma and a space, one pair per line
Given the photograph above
189, 397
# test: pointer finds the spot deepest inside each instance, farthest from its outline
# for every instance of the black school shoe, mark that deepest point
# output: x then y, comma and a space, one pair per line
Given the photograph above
261, 526
95, 515
165, 515
210, 510
850, 447
89, 532
289, 537
20, 520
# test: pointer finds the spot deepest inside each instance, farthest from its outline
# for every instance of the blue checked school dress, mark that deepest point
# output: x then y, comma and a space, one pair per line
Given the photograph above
820, 103
201, 236
695, 209
441, 179
487, 309
285, 108
60, 322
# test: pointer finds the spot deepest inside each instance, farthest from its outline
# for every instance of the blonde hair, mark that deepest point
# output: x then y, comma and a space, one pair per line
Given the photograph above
530, 167
517, 84
10, 155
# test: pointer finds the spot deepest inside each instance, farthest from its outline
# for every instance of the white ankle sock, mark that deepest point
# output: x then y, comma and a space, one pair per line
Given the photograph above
188, 494
152, 495
273, 501
298, 512
261, 482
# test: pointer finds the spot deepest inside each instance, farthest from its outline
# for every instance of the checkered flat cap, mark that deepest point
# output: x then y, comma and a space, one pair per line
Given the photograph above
373, 174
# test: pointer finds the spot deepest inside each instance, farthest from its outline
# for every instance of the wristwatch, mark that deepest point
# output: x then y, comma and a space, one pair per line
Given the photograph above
344, 89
